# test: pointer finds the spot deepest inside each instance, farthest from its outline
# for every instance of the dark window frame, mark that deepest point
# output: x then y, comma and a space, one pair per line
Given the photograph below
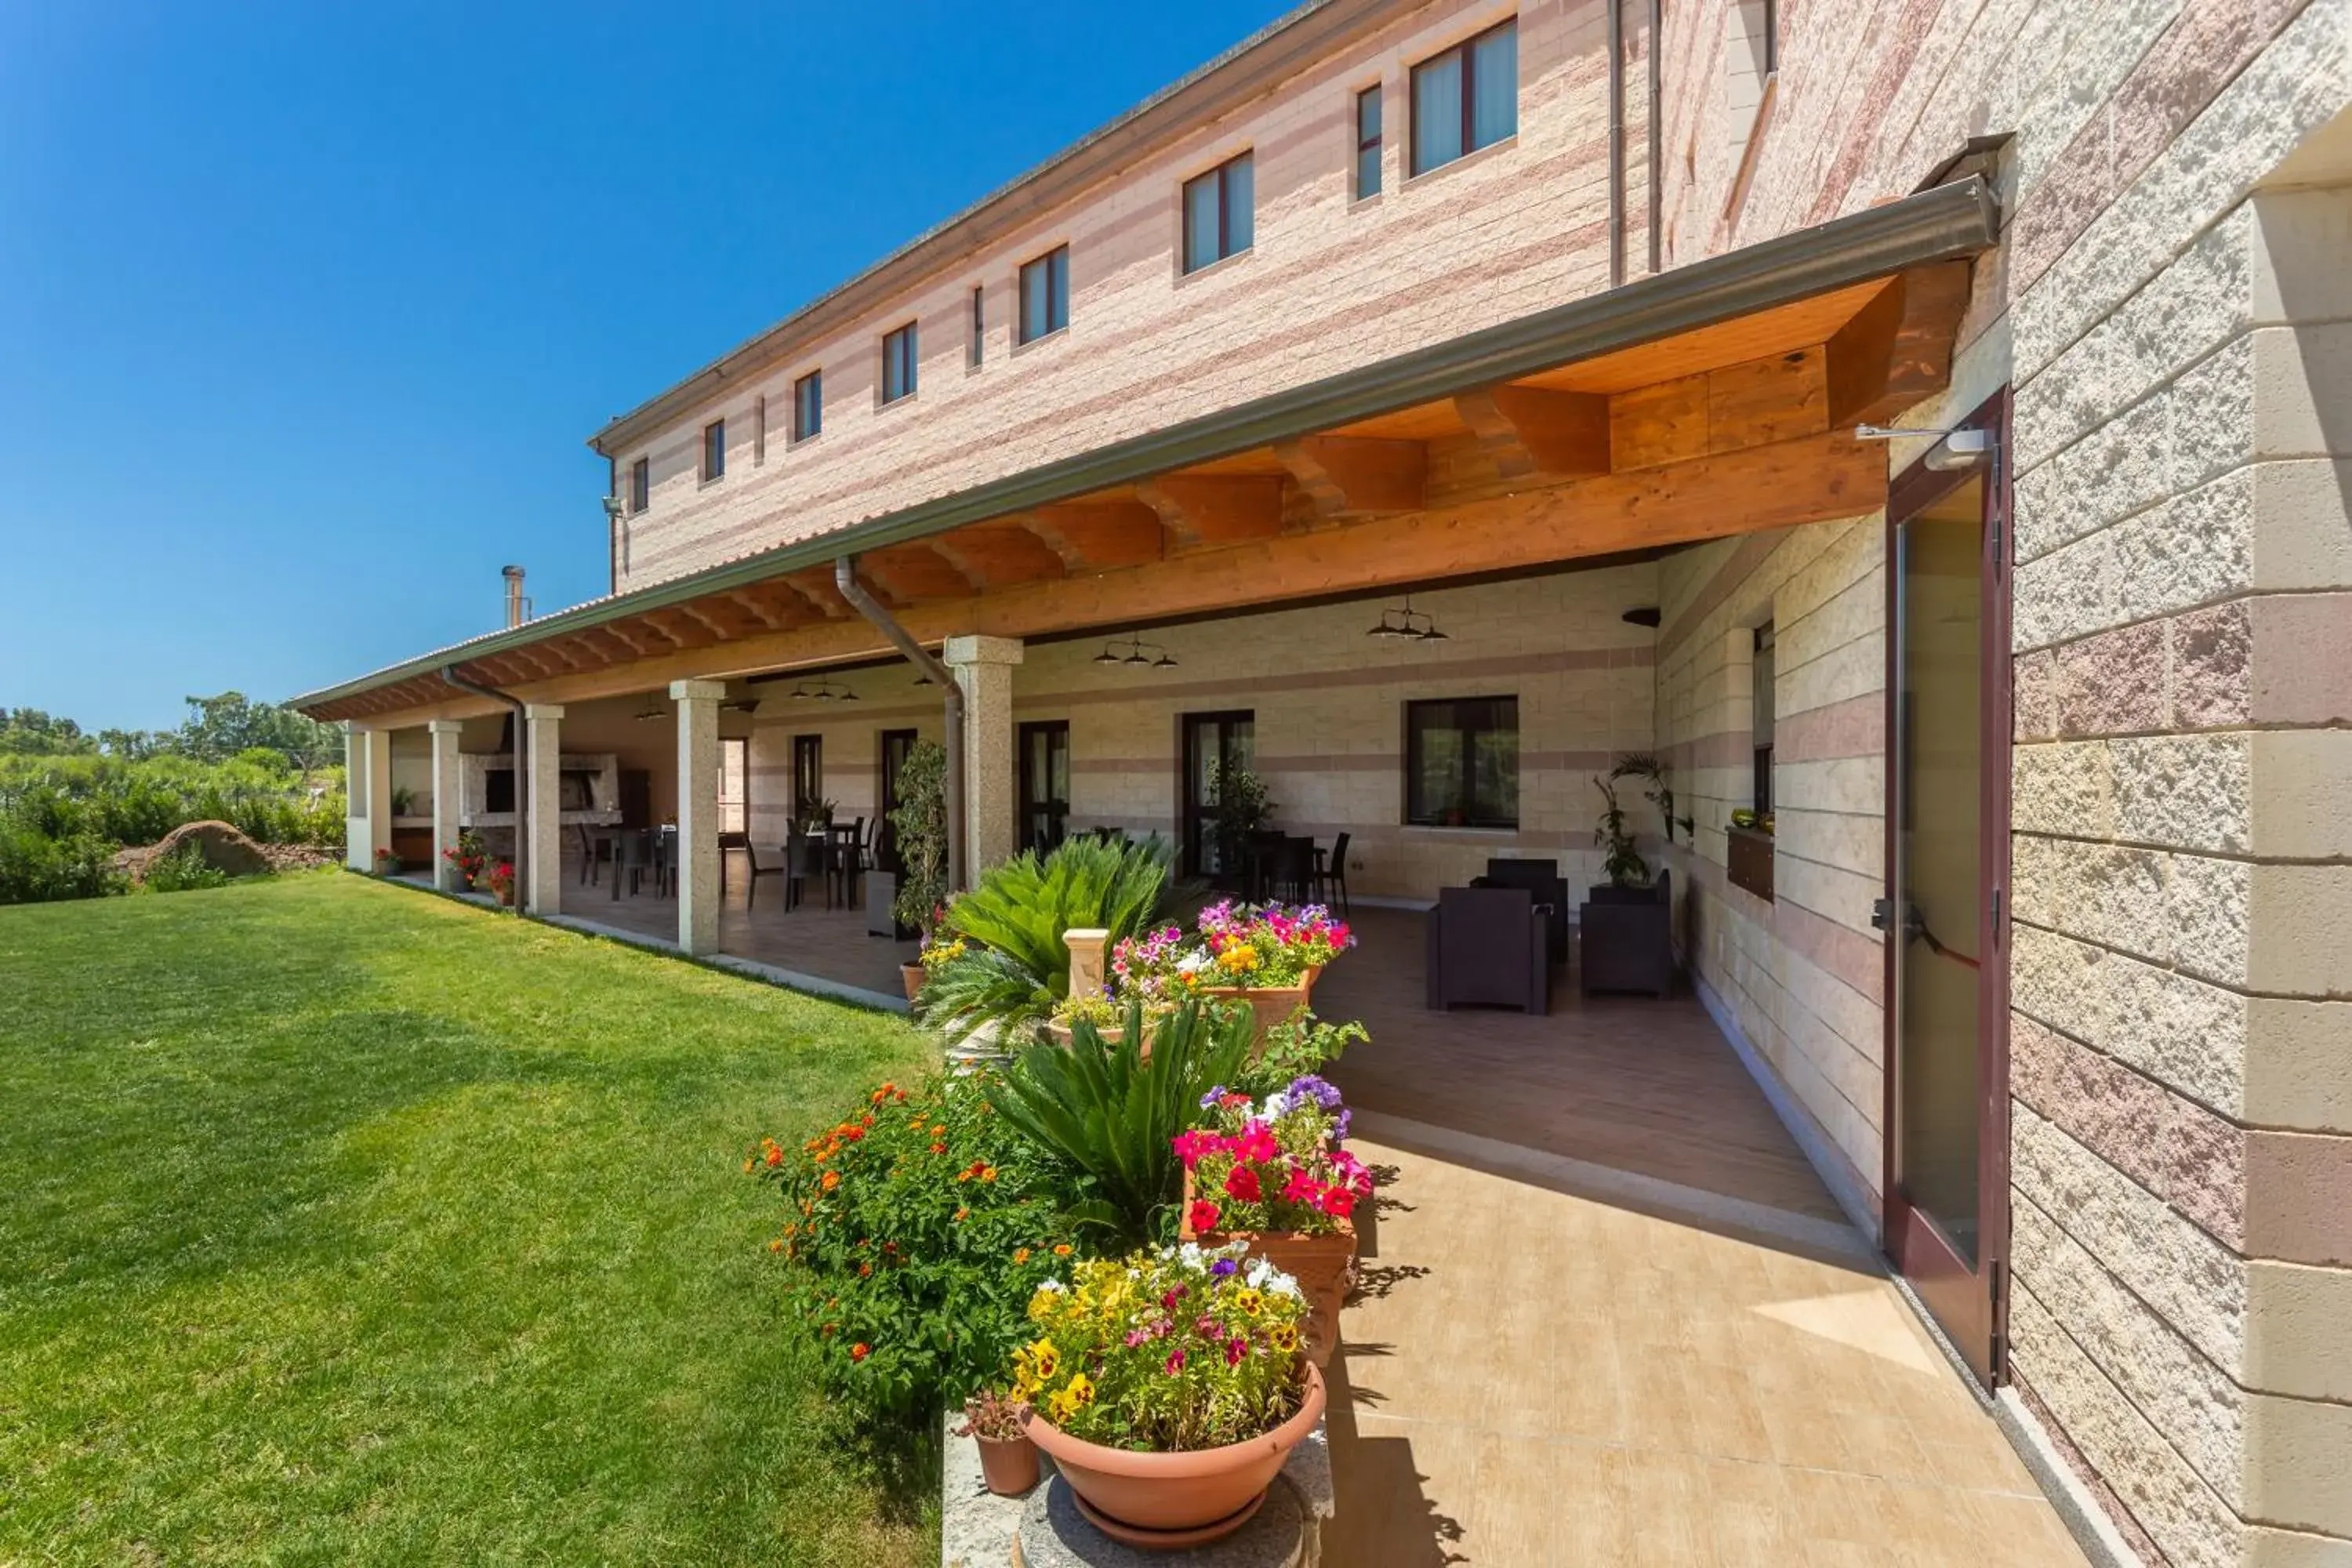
979, 346
714, 451
641, 485
808, 405
909, 373
1225, 249
1420, 813
808, 773
1771, 37
1761, 705
1056, 263
1371, 142
1468, 48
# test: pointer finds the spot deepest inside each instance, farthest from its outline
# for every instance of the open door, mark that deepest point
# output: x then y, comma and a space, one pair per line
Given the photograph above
1947, 1210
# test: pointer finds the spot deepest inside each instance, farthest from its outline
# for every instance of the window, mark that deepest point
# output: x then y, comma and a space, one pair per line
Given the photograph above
808, 405
1771, 37
641, 484
1218, 213
899, 364
808, 775
1462, 763
714, 450
1045, 294
759, 430
734, 786
1367, 143
979, 324
895, 746
1466, 98
1763, 722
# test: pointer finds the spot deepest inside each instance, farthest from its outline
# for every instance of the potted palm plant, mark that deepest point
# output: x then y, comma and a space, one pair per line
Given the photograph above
917, 889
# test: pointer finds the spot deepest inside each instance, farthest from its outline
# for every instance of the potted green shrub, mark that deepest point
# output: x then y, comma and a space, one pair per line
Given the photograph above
1624, 930
1242, 810
916, 891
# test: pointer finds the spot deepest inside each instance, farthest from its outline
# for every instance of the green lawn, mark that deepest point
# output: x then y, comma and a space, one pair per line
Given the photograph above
342, 1223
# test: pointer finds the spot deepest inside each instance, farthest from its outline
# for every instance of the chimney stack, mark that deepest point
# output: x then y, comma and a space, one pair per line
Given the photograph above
518, 607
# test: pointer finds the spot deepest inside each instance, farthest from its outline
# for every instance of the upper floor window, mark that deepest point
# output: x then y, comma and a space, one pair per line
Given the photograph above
714, 450
979, 325
1466, 98
899, 363
1367, 143
1045, 294
1462, 763
808, 405
641, 484
1219, 212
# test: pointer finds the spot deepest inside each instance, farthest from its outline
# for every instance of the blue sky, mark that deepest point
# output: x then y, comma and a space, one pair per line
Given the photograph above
306, 312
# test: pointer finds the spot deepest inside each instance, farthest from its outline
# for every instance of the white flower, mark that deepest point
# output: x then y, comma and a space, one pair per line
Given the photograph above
1191, 963
1284, 1285
1049, 1284
1276, 1106
1193, 1257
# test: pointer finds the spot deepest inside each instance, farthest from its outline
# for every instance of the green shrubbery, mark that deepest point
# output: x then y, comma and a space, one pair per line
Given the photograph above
63, 817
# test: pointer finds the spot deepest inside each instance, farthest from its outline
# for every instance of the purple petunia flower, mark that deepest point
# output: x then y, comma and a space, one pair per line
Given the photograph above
1308, 1087
1224, 1266
1209, 1101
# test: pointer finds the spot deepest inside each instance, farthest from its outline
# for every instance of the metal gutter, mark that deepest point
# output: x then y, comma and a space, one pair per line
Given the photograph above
845, 577
1945, 224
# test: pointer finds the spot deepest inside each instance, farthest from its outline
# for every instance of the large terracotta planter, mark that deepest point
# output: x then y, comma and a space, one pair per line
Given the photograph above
1323, 1265
1176, 1499
1009, 1465
911, 976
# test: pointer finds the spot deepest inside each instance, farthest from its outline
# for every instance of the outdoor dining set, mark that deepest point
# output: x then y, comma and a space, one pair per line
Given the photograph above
836, 856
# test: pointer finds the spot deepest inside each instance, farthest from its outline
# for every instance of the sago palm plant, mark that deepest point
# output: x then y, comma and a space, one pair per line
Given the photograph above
1111, 1112
1015, 968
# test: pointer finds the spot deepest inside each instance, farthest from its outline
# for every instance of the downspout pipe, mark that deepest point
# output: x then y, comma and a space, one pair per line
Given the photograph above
1616, 142
1657, 137
845, 577
521, 771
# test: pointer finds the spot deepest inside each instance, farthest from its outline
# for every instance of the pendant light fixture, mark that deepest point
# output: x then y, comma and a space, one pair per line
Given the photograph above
1138, 654
1407, 622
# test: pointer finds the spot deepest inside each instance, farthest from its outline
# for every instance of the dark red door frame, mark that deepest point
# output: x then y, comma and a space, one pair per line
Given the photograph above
1971, 1304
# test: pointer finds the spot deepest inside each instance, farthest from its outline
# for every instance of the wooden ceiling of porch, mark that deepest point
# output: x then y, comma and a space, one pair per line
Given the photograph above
1730, 428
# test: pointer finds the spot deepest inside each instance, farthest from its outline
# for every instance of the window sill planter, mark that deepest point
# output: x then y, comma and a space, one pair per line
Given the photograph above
1323, 1262
1272, 1004
1167, 1501
1748, 858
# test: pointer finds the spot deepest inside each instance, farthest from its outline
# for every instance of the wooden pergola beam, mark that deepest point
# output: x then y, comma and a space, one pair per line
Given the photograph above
1091, 536
1354, 475
1216, 509
1527, 431
1897, 349
999, 554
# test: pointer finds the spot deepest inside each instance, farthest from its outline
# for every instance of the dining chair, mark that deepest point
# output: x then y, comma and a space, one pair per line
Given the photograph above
633, 855
1331, 875
728, 841
805, 855
756, 871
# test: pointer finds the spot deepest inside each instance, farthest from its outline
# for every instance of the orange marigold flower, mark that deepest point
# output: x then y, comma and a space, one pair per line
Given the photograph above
832, 1180
776, 1246
860, 1351
877, 1097
1062, 1250
963, 1175
961, 1213
938, 1129
864, 1270
989, 1175
939, 1148
1020, 1255
775, 1156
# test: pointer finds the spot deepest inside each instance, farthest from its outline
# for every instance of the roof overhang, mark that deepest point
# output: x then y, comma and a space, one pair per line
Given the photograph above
1952, 223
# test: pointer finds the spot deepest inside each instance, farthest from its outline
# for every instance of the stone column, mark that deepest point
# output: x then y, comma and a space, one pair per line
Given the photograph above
983, 670
447, 799
358, 852
698, 813
543, 894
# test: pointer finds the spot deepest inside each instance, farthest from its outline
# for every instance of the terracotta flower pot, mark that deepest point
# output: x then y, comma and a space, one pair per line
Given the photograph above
505, 891
1112, 1034
1272, 1004
1324, 1263
1176, 1499
1009, 1465
910, 976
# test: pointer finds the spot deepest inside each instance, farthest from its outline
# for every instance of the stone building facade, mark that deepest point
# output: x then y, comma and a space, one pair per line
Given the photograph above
2167, 302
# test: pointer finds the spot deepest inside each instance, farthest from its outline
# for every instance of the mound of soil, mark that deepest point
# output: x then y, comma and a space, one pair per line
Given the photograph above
224, 848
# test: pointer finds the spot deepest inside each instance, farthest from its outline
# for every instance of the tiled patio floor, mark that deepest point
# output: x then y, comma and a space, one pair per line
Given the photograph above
1628, 1083
1532, 1378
